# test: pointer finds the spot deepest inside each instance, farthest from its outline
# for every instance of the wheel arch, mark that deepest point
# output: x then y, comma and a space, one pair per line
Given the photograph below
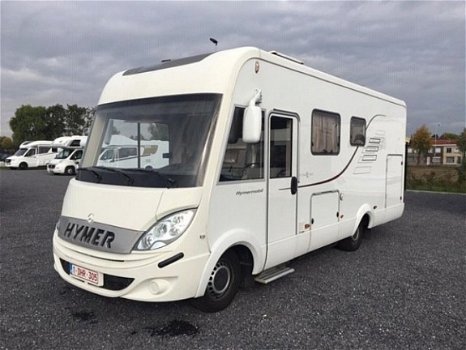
365, 214
250, 255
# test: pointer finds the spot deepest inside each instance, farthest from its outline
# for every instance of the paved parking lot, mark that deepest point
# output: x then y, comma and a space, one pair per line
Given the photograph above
404, 288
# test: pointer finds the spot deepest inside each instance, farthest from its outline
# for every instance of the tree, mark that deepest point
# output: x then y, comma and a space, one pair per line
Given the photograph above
48, 123
29, 123
461, 143
6, 142
449, 136
158, 131
75, 120
56, 121
421, 142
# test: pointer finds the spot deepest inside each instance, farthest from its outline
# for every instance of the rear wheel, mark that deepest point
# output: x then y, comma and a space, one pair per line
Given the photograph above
23, 166
223, 284
352, 243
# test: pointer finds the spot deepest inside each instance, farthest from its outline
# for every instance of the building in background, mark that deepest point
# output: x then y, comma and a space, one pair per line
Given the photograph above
442, 152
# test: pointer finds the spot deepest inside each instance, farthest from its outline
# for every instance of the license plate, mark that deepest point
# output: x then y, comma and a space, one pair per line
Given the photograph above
90, 276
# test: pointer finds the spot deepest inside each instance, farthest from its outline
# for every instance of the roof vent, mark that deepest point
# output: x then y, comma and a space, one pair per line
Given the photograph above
286, 57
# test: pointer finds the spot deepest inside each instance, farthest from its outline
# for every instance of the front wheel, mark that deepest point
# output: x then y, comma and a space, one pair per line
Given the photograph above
352, 243
69, 170
224, 282
23, 166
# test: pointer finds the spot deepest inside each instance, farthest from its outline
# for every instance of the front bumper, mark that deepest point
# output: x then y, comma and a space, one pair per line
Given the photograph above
135, 276
11, 163
53, 169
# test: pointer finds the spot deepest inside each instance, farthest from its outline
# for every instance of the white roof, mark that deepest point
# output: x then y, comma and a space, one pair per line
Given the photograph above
214, 73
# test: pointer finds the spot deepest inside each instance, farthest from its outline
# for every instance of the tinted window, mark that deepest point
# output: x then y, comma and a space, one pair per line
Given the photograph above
242, 161
358, 131
325, 138
281, 134
43, 149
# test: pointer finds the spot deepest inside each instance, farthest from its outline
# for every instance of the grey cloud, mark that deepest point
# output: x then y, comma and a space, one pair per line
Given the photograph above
63, 52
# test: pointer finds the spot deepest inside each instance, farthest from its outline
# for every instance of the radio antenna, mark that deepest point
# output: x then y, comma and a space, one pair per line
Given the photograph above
214, 41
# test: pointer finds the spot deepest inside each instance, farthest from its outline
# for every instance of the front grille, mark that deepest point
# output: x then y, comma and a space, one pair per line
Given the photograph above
110, 282
7, 161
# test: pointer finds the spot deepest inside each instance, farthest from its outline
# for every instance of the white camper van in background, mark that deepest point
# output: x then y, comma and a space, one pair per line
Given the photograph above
70, 141
70, 150
122, 152
66, 161
266, 160
32, 154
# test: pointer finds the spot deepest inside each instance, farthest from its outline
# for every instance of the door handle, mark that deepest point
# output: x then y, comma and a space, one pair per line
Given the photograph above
294, 185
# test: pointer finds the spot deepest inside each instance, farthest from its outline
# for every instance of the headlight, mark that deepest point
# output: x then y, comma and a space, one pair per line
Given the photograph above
166, 230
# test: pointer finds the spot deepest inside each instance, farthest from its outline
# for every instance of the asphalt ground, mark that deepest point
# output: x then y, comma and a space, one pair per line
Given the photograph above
405, 288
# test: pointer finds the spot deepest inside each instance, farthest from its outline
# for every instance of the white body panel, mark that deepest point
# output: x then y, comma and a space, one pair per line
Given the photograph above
70, 141
334, 192
68, 165
35, 154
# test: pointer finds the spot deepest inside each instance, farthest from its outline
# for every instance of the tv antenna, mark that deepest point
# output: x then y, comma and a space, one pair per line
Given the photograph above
214, 41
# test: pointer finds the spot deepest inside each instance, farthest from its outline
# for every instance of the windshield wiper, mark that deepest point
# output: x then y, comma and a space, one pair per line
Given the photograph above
118, 171
170, 181
95, 173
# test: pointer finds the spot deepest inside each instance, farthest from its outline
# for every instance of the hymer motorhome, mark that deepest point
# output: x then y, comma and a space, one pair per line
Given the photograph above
266, 160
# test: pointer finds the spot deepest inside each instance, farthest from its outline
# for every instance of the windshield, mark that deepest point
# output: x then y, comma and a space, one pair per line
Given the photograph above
20, 152
64, 153
157, 142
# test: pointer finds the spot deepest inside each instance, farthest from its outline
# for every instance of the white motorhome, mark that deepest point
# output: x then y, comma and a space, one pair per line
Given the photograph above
122, 152
70, 141
32, 154
66, 161
267, 160
70, 150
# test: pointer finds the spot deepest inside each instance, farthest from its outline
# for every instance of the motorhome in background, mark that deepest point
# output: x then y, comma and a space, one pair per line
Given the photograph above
32, 154
70, 141
266, 160
70, 151
66, 161
122, 152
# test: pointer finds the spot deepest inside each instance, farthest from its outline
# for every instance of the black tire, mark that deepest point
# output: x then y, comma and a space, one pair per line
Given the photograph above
23, 166
352, 243
223, 285
69, 170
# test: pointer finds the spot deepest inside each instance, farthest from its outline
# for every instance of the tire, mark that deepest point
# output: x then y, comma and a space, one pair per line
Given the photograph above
352, 243
23, 166
69, 170
223, 285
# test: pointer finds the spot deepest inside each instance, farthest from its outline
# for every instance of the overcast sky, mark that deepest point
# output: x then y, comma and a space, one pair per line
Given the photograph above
63, 52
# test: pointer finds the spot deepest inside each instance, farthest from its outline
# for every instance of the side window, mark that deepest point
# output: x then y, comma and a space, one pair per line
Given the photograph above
281, 134
128, 152
31, 152
107, 155
77, 155
75, 143
242, 161
325, 139
358, 131
43, 149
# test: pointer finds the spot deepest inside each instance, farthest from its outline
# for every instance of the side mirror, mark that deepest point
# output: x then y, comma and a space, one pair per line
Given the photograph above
252, 124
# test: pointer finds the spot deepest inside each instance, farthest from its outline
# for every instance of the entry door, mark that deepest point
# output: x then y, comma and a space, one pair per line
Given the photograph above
282, 201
